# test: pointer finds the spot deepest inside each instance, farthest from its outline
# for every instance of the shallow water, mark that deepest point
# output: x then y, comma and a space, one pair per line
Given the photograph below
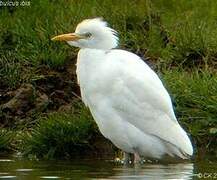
95, 169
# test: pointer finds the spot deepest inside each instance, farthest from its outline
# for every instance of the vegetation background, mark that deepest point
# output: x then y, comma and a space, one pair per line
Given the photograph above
41, 114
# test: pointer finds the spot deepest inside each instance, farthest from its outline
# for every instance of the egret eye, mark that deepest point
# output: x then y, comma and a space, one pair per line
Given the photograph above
88, 35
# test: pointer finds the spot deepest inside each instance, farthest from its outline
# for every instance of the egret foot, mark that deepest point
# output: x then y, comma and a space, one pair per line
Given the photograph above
137, 158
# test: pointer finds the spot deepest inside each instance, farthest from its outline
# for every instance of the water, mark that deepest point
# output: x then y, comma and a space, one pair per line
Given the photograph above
96, 169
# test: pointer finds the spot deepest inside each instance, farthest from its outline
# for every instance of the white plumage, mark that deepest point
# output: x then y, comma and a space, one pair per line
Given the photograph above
126, 98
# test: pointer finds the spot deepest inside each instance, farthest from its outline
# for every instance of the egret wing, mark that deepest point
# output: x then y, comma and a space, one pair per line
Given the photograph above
139, 97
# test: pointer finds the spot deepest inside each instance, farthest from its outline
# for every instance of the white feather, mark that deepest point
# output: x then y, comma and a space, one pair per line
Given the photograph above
130, 104
126, 98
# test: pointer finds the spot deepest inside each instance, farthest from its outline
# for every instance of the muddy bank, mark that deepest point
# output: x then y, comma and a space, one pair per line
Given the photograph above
50, 90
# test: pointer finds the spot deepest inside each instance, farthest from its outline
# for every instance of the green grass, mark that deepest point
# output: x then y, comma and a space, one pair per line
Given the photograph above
6, 137
60, 135
195, 96
10, 72
195, 104
178, 37
171, 33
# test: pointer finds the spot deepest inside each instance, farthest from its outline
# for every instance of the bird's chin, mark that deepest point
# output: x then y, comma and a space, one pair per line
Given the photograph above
73, 43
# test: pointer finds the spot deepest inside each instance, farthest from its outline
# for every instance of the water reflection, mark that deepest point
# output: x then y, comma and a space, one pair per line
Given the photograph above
19, 169
155, 171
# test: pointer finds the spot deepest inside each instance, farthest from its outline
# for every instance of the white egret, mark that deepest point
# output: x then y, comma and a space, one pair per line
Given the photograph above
125, 96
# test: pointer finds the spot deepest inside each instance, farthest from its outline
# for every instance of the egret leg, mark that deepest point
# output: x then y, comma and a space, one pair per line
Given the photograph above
137, 158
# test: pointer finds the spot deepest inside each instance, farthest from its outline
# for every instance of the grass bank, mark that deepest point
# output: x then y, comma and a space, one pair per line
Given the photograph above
68, 135
177, 38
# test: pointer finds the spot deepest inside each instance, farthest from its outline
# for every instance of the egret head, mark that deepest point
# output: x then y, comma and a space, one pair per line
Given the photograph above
91, 33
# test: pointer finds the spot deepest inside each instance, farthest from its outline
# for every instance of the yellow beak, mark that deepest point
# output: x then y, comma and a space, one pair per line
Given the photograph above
67, 37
